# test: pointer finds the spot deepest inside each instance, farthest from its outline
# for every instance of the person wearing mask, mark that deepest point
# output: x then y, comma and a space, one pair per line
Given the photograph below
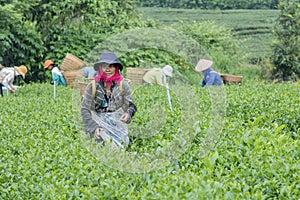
158, 76
210, 77
57, 76
7, 77
107, 104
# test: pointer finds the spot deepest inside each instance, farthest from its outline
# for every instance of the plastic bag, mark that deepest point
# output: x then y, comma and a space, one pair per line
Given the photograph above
114, 130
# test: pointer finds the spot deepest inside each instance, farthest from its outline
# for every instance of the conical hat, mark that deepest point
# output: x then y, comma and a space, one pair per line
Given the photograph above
203, 64
22, 70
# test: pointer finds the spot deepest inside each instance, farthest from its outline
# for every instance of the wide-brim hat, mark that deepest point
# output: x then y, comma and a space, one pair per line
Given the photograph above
22, 70
203, 64
47, 64
108, 58
168, 70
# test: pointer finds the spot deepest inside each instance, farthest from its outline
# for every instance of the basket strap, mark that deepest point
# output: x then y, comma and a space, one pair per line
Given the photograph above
93, 88
121, 86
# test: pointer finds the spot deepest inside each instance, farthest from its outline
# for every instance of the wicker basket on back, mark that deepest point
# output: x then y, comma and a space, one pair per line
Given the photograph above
72, 76
135, 75
229, 79
71, 63
70, 68
81, 84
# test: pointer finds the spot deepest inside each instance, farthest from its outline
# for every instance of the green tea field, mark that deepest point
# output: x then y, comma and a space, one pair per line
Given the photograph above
231, 142
253, 27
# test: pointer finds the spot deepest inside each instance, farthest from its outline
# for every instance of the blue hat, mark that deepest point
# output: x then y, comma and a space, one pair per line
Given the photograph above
109, 58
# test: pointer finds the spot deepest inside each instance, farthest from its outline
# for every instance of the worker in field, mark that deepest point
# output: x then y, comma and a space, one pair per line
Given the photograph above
89, 72
210, 77
107, 104
57, 76
158, 76
7, 77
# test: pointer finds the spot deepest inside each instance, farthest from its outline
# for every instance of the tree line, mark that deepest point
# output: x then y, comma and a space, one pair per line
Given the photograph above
211, 4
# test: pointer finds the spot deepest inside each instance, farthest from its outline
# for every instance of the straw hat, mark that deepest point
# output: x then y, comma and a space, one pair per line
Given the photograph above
22, 70
48, 63
109, 58
168, 70
203, 65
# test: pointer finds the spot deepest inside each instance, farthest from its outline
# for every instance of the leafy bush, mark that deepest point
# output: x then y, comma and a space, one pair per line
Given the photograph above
36, 30
218, 42
256, 156
286, 47
20, 41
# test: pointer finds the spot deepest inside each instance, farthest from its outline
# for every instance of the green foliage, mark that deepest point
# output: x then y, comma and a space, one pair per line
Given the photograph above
20, 42
36, 30
217, 41
252, 28
211, 4
79, 26
286, 47
256, 157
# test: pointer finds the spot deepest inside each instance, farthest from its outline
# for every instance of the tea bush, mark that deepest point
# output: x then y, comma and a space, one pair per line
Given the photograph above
256, 156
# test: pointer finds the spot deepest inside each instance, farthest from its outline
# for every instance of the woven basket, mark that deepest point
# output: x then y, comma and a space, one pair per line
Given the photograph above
71, 63
81, 84
135, 75
227, 78
72, 76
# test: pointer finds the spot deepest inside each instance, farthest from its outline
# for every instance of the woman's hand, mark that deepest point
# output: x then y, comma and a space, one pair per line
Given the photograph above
13, 91
125, 118
97, 133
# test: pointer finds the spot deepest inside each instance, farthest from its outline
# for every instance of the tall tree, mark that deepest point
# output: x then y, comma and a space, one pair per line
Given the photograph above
35, 30
286, 47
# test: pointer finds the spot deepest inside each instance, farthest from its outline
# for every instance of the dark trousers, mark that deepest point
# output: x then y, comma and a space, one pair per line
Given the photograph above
144, 82
1, 91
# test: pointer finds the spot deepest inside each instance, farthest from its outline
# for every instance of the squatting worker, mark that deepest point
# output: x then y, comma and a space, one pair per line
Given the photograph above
7, 77
107, 104
211, 77
158, 75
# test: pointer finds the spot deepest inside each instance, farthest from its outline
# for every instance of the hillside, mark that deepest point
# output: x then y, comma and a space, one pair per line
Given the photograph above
253, 27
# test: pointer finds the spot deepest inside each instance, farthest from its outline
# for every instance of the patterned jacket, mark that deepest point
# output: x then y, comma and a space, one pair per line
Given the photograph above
7, 76
120, 97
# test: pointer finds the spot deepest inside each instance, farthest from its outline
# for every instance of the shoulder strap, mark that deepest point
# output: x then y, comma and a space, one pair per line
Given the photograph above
93, 88
121, 86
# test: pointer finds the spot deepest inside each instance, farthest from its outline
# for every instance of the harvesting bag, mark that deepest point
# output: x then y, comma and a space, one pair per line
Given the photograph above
114, 130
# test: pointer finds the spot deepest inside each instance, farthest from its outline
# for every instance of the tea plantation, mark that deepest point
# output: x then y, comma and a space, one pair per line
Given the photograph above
252, 152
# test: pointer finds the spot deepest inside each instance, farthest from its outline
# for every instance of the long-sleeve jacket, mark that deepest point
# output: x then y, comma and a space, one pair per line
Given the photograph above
155, 76
57, 77
119, 98
211, 78
7, 76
